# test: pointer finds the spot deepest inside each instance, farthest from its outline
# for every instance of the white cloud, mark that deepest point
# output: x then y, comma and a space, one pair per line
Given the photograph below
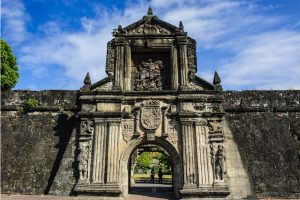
13, 21
267, 60
259, 57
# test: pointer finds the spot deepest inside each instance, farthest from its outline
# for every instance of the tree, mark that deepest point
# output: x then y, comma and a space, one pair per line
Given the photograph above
144, 161
164, 162
9, 68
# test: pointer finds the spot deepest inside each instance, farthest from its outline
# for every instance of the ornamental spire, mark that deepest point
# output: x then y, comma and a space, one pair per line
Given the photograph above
181, 28
87, 84
217, 82
87, 79
150, 12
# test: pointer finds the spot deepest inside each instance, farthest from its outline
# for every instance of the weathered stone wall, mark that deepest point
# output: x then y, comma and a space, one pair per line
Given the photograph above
37, 145
266, 127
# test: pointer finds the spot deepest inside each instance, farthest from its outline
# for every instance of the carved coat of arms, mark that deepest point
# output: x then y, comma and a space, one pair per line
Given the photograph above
151, 115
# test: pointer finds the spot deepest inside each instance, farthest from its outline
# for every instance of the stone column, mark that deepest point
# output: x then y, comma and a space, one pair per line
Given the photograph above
182, 42
127, 75
188, 154
119, 64
113, 152
174, 81
99, 152
204, 165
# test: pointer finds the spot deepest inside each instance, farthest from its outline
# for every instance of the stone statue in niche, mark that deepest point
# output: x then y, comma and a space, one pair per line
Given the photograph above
219, 164
83, 161
149, 77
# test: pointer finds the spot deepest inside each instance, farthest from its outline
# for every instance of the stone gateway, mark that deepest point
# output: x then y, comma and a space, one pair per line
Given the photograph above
221, 144
152, 96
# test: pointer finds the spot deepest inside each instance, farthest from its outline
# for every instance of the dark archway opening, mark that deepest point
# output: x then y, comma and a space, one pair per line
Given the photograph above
150, 172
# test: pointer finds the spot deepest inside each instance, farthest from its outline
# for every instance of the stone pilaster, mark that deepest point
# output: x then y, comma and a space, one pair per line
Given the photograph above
127, 72
204, 165
99, 162
119, 63
164, 122
174, 80
188, 154
182, 43
113, 152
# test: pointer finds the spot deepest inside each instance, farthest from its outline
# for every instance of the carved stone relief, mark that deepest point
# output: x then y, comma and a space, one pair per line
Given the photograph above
149, 77
86, 127
86, 132
214, 127
148, 29
150, 114
83, 158
192, 62
110, 59
127, 129
219, 160
173, 131
199, 107
150, 73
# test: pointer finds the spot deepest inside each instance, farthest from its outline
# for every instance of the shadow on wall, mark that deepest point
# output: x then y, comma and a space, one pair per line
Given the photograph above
63, 130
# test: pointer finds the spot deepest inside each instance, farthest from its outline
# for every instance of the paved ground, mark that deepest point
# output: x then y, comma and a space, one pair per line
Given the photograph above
139, 191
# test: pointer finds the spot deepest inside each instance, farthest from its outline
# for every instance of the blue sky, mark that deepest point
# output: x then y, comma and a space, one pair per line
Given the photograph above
253, 44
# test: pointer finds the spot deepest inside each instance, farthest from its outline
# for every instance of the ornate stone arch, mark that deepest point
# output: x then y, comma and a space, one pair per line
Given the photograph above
174, 154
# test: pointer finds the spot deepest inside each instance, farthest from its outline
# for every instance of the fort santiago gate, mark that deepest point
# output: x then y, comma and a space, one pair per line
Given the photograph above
152, 95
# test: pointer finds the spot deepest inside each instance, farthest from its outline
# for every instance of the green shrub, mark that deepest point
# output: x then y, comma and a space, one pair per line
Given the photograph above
30, 104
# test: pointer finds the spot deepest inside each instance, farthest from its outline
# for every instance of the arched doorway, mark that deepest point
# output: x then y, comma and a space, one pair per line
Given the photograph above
161, 143
150, 171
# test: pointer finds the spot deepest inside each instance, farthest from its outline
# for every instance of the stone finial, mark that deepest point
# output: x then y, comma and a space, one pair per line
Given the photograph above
149, 12
120, 28
87, 83
87, 79
217, 79
181, 28
217, 82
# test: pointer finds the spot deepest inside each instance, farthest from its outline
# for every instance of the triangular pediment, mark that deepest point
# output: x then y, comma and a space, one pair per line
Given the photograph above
151, 25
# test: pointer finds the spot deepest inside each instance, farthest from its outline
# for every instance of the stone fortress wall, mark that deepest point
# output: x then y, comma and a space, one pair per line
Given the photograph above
38, 145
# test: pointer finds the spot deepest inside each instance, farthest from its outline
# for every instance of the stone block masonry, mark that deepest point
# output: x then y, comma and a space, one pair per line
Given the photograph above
37, 147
